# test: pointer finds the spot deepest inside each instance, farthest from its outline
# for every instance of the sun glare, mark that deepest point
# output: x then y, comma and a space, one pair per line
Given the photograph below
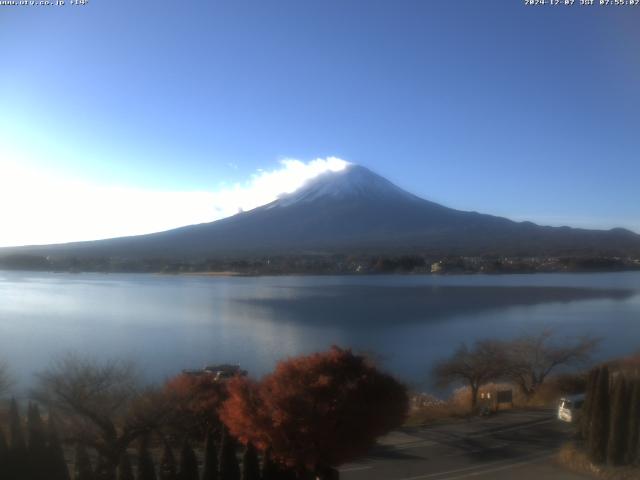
38, 207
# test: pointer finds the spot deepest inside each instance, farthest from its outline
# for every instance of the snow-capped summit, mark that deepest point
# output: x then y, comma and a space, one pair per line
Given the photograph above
354, 181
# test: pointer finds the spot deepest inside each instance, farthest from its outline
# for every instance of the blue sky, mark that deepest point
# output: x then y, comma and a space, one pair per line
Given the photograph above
526, 112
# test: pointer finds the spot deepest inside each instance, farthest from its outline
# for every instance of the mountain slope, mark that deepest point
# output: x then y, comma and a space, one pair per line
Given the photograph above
356, 211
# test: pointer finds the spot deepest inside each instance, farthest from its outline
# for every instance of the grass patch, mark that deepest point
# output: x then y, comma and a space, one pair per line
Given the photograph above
573, 458
427, 415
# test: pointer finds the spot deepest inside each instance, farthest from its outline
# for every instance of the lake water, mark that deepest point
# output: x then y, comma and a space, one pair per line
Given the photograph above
167, 323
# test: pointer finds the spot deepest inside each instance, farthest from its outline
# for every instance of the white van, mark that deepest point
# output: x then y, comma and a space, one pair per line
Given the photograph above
569, 408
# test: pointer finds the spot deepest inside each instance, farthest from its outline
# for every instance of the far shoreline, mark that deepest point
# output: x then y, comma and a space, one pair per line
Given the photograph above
213, 273
232, 274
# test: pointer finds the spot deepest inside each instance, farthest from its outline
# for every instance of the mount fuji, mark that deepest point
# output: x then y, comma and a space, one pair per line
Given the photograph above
354, 211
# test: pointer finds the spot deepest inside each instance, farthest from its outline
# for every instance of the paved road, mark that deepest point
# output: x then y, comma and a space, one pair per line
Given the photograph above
509, 445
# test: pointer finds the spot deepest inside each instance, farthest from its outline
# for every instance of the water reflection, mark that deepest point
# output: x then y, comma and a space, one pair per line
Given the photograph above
365, 306
167, 323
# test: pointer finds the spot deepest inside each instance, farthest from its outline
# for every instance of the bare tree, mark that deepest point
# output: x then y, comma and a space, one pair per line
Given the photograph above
101, 404
474, 366
531, 358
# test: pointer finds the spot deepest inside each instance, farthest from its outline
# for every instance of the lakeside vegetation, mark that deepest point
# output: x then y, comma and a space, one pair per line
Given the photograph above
312, 414
325, 264
534, 370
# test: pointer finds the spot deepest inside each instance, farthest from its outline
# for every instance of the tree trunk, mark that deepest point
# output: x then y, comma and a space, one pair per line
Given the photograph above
474, 397
536, 383
527, 389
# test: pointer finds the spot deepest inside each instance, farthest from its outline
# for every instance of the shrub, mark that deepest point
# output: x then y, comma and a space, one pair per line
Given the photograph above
319, 410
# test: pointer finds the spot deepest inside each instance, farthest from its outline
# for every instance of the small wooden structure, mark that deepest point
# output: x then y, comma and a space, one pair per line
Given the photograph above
494, 400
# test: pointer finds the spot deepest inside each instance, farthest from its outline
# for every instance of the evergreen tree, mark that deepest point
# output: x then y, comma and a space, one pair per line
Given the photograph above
168, 469
275, 470
210, 458
599, 430
290, 474
229, 468
58, 469
587, 409
125, 471
269, 469
18, 462
83, 469
37, 444
308, 475
285, 473
104, 469
250, 465
15, 427
188, 462
617, 446
4, 456
634, 422
146, 469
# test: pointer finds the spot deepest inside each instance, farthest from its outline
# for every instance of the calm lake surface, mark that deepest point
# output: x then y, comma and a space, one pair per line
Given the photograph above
167, 323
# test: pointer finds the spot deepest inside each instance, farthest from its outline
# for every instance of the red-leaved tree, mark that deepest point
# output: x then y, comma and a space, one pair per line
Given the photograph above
316, 412
196, 400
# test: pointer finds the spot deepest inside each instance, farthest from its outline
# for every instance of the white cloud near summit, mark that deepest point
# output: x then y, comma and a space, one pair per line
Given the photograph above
39, 207
265, 186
